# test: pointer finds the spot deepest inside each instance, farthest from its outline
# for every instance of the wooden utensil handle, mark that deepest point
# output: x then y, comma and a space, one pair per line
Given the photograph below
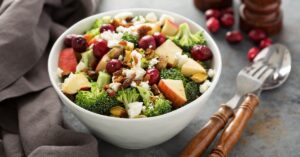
233, 131
202, 140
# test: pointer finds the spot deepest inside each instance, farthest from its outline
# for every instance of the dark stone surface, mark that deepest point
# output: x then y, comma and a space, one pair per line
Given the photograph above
274, 129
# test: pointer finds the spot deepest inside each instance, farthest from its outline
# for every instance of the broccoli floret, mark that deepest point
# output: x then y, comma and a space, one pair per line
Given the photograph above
173, 74
144, 63
127, 96
161, 106
145, 94
185, 39
96, 100
94, 30
130, 38
192, 91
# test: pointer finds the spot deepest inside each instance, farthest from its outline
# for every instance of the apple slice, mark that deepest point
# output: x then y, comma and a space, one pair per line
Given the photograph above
102, 63
74, 83
170, 28
67, 61
169, 50
174, 91
191, 67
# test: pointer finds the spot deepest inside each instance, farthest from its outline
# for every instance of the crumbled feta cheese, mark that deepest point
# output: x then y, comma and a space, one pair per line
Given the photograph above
134, 109
114, 86
211, 73
80, 66
153, 62
120, 57
138, 20
145, 85
128, 73
139, 72
151, 17
181, 59
59, 72
130, 45
203, 87
131, 30
112, 38
164, 17
133, 84
124, 15
138, 56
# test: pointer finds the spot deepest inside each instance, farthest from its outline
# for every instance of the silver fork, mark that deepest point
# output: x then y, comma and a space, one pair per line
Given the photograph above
249, 80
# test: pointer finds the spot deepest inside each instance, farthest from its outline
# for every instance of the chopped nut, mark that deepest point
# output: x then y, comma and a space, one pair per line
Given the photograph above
92, 74
111, 92
149, 54
118, 111
143, 30
162, 63
155, 90
146, 78
119, 78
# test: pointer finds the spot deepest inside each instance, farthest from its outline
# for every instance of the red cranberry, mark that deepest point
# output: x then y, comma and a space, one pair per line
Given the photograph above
107, 27
159, 38
201, 53
154, 75
234, 37
228, 11
213, 24
257, 35
212, 13
252, 53
146, 42
113, 66
227, 20
100, 48
265, 43
68, 40
79, 44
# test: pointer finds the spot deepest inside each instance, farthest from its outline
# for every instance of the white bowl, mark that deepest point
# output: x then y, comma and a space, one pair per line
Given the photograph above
134, 133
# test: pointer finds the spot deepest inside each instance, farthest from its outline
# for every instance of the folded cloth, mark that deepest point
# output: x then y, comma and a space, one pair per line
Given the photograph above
30, 112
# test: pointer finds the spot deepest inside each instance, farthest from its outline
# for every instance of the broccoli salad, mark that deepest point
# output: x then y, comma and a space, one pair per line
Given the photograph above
135, 66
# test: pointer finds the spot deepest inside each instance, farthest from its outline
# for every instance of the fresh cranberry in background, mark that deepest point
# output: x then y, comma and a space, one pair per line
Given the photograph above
68, 40
213, 24
212, 13
159, 38
146, 42
107, 27
252, 53
100, 48
257, 35
265, 43
227, 20
79, 44
201, 53
113, 66
234, 36
154, 75
228, 11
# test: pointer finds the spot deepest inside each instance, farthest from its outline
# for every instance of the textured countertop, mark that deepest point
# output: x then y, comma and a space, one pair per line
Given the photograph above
274, 129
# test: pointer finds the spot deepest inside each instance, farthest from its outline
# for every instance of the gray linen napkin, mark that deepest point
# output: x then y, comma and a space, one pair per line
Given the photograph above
30, 112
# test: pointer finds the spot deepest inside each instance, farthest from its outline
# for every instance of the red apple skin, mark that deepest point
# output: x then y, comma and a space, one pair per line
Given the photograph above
67, 61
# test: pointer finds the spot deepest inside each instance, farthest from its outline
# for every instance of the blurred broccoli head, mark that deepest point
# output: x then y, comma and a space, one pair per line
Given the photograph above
96, 100
130, 38
192, 91
173, 74
185, 39
161, 106
128, 95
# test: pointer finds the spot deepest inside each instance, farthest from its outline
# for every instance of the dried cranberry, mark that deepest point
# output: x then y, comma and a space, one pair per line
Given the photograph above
100, 48
234, 36
257, 35
146, 42
227, 20
201, 52
68, 40
213, 24
154, 75
252, 53
265, 43
79, 44
107, 27
159, 38
212, 13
